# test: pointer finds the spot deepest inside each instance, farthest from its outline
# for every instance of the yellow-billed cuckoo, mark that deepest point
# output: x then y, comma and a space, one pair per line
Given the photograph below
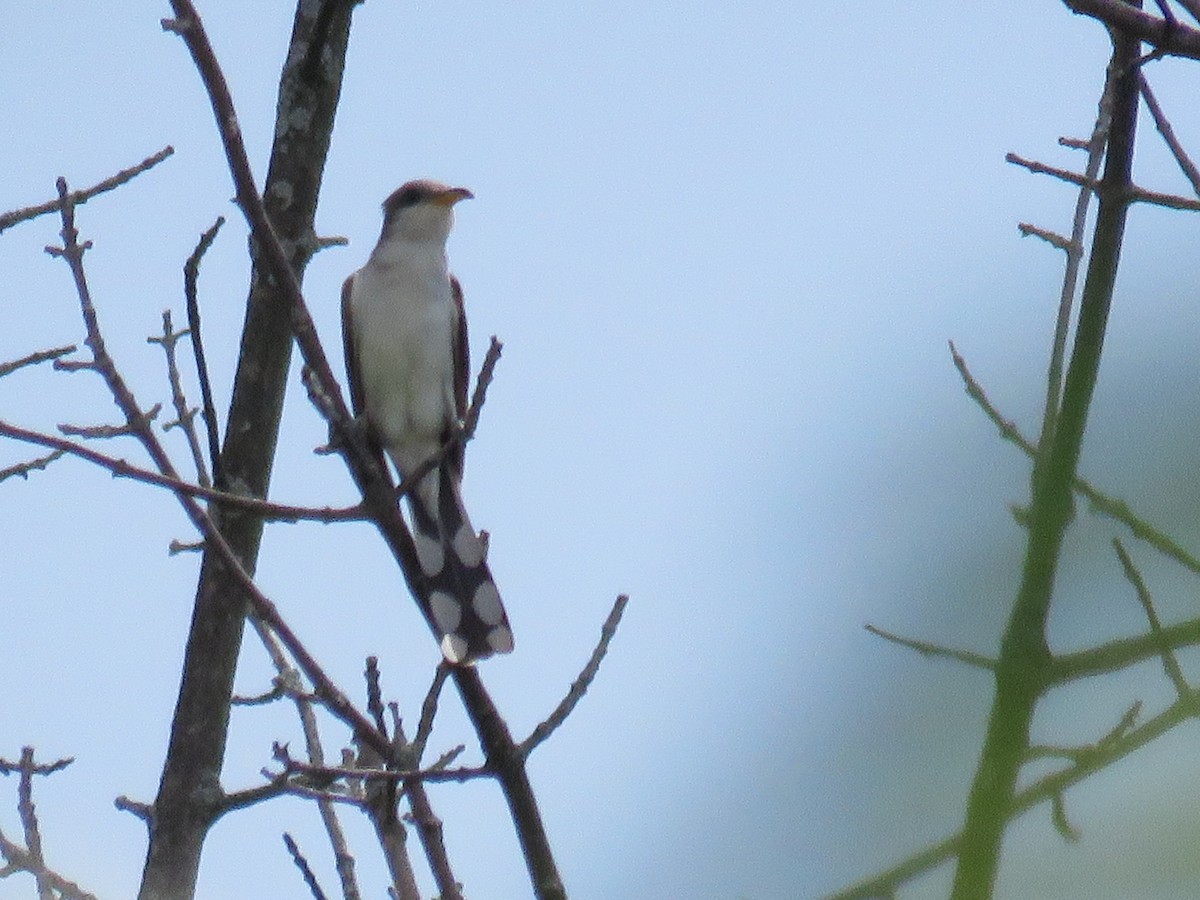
405, 336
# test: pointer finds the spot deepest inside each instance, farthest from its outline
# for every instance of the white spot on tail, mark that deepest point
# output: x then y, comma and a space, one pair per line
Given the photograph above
429, 553
454, 648
487, 605
447, 613
467, 546
500, 639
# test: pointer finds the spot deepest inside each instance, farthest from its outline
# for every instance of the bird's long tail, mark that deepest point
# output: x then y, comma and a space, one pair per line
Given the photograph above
462, 601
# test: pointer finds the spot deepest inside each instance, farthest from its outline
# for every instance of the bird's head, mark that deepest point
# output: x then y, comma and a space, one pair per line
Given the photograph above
421, 210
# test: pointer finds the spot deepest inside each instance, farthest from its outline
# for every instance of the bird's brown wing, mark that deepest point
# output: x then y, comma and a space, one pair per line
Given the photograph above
358, 402
352, 373
462, 365
462, 353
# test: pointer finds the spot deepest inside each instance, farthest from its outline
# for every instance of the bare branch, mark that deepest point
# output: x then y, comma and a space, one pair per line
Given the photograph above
22, 470
29, 824
35, 358
19, 860
1168, 39
975, 660
9, 219
277, 692
1073, 248
276, 787
302, 864
1122, 652
486, 373
1058, 815
1053, 238
132, 428
375, 694
143, 811
120, 468
191, 274
379, 798
287, 682
430, 830
1133, 193
581, 684
330, 774
7, 767
429, 710
304, 119
1081, 754
1170, 663
1107, 752
185, 416
431, 834
1099, 501
324, 243
1168, 133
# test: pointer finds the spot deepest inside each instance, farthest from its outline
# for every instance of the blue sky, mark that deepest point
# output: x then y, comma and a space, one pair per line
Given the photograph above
725, 248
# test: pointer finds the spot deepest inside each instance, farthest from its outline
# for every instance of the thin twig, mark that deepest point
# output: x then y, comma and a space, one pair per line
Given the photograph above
277, 692
375, 693
302, 864
486, 373
379, 798
288, 680
581, 684
191, 274
132, 428
1121, 653
1134, 576
143, 811
1168, 134
1099, 501
19, 860
435, 773
1073, 247
29, 824
185, 416
430, 830
885, 884
34, 358
1080, 754
975, 660
429, 709
77, 198
1132, 192
268, 510
1058, 816
7, 767
1053, 238
22, 470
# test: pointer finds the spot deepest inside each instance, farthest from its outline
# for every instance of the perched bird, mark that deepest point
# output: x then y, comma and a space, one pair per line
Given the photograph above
405, 335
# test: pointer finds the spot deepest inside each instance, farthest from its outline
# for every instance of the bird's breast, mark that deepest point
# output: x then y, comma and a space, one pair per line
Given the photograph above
404, 325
